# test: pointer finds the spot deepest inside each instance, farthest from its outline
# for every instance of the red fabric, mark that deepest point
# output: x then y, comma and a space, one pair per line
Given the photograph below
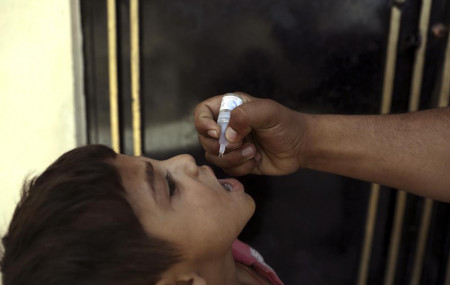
246, 255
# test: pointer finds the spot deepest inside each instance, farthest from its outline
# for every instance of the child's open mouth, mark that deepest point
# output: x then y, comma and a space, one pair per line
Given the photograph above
226, 186
231, 184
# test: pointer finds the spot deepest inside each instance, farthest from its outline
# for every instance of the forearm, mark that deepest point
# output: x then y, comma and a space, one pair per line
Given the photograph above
410, 152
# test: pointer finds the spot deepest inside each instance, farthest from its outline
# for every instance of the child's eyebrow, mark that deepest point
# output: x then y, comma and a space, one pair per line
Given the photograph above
150, 178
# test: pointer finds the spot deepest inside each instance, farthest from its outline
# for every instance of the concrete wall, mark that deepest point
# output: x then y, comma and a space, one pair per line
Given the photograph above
41, 106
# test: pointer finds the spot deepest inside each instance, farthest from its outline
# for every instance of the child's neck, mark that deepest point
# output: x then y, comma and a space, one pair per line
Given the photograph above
225, 271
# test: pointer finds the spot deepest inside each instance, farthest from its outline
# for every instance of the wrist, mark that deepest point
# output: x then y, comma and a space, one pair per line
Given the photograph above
325, 143
305, 129
338, 144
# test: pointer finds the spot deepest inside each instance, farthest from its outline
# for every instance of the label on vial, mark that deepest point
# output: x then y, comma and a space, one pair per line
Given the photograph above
229, 102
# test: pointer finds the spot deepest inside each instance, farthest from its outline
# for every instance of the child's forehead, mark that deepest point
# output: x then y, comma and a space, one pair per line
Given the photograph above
123, 160
137, 176
131, 167
131, 172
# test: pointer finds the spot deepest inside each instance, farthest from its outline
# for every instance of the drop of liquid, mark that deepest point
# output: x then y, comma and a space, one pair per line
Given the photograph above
220, 155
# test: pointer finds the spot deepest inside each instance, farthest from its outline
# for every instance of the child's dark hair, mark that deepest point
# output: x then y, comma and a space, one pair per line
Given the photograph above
74, 225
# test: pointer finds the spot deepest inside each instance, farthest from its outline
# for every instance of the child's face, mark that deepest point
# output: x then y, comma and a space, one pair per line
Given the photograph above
188, 206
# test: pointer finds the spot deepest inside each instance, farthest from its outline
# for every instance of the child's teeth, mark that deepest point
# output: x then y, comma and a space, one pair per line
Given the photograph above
227, 187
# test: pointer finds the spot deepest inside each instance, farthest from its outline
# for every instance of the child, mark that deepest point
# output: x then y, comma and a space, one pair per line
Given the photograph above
97, 217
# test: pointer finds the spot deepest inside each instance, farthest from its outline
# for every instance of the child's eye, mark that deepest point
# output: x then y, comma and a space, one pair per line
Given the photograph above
171, 185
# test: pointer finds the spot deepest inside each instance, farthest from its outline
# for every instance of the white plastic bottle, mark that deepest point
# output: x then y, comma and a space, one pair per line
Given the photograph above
229, 102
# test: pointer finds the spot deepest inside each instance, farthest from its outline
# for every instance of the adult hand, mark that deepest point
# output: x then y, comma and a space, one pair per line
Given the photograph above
265, 137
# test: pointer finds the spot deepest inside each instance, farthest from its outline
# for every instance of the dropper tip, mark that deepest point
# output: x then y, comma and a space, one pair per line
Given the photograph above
221, 150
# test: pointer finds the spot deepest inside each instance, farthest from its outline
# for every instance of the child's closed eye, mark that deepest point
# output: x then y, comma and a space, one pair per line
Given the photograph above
171, 185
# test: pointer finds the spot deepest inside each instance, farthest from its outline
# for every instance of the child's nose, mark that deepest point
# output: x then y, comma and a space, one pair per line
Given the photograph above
187, 162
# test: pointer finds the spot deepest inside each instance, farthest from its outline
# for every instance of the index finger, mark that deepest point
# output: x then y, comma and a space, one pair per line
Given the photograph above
205, 114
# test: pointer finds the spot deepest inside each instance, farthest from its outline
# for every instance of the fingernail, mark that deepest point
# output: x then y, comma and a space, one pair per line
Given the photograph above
247, 152
213, 133
230, 134
258, 157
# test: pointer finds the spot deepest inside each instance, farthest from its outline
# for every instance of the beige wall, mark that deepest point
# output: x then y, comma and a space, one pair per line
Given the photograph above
40, 90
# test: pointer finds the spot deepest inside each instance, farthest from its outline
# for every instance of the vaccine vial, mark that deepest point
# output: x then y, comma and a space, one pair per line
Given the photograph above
229, 102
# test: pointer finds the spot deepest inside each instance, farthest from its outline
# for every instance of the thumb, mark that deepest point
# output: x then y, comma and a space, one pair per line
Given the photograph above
256, 114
